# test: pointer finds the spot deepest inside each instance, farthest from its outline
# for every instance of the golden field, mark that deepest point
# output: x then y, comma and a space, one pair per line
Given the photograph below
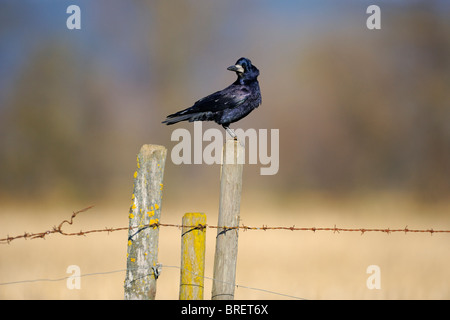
303, 264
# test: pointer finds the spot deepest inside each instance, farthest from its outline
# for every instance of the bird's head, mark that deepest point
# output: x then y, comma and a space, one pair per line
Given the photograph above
244, 69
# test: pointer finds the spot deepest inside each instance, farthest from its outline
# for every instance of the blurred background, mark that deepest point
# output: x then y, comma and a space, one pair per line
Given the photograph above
363, 115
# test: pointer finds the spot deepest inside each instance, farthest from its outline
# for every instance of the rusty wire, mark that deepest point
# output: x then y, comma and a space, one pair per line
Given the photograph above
58, 229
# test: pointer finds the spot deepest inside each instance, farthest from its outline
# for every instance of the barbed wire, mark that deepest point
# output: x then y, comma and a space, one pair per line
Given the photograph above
58, 229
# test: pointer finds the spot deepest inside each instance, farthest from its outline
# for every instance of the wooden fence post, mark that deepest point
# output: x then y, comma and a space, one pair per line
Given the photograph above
229, 214
144, 215
192, 256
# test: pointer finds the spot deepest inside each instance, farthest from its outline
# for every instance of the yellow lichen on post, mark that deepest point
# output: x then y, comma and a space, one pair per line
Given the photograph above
193, 239
143, 233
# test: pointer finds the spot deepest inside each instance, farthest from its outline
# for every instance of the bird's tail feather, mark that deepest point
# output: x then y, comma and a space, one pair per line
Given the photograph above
175, 118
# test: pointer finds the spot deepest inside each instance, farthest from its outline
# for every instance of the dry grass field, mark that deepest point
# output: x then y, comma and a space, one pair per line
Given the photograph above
304, 264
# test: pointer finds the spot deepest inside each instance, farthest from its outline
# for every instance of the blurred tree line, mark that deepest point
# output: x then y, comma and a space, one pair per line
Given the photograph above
356, 110
379, 114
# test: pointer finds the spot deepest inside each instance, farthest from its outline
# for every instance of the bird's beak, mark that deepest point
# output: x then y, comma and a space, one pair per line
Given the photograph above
236, 68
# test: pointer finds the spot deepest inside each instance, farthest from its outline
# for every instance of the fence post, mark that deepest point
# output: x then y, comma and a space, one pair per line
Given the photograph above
145, 210
192, 256
229, 214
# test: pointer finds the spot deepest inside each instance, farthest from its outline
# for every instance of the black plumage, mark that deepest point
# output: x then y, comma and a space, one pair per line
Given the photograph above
228, 105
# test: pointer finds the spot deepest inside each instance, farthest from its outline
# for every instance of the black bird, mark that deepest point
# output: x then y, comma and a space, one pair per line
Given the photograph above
228, 105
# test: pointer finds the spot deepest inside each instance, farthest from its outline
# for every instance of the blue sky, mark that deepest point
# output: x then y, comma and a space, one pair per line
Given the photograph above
111, 28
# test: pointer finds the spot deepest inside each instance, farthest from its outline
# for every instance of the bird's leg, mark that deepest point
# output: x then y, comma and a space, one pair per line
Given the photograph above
233, 135
230, 132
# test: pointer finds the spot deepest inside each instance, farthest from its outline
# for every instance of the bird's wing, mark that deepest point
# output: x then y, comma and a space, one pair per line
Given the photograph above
229, 97
222, 100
